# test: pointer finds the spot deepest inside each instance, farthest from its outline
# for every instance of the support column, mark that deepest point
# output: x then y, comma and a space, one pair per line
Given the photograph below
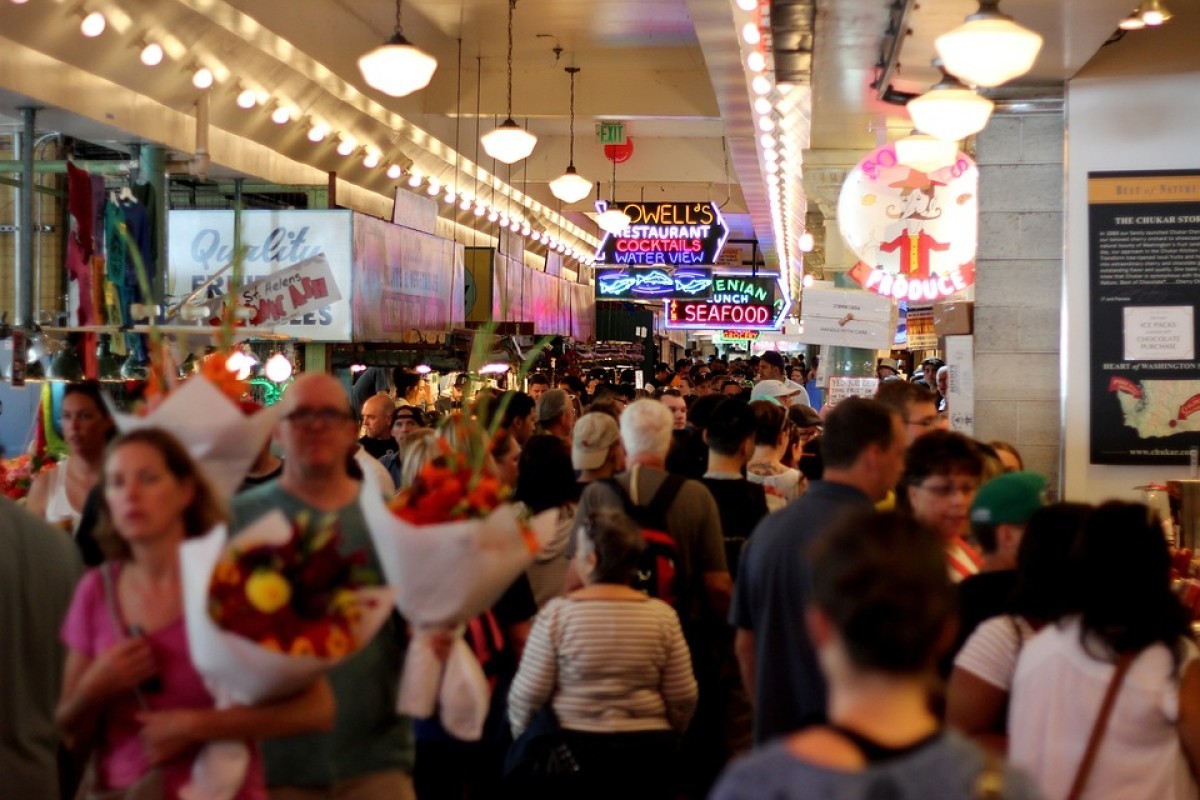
152, 166
23, 283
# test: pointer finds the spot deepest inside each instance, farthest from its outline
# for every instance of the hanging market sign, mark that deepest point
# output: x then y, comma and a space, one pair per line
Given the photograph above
741, 301
653, 284
914, 233
737, 337
303, 288
665, 234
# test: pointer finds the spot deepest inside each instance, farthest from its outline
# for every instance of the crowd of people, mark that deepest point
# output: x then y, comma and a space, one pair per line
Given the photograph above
746, 595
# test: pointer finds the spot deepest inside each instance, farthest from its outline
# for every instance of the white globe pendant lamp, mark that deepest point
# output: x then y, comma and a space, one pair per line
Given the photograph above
397, 67
949, 110
610, 218
990, 48
571, 187
925, 153
510, 142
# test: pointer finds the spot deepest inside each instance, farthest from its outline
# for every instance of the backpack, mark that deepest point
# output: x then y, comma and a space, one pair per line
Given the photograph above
660, 568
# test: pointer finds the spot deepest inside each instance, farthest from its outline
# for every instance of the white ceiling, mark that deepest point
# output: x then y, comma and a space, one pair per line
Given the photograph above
670, 68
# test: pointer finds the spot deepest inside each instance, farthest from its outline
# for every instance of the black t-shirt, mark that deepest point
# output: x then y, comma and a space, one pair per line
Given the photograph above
743, 504
689, 454
378, 448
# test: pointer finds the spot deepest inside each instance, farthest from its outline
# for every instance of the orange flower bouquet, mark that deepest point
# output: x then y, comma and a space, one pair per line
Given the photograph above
451, 545
268, 612
17, 474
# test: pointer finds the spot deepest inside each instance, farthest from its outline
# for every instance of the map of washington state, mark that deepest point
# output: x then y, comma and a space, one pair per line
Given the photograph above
1158, 408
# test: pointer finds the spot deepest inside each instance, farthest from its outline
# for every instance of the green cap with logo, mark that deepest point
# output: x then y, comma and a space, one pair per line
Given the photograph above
1008, 499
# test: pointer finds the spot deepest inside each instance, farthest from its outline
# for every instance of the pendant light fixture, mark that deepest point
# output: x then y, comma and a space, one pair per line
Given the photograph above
949, 110
925, 153
397, 67
571, 187
990, 48
611, 219
1154, 13
510, 142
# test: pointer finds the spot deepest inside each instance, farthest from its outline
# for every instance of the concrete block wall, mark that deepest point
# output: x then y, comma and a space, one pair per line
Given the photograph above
1018, 291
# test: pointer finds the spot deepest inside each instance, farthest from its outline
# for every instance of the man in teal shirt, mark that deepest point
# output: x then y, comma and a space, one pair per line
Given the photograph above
369, 753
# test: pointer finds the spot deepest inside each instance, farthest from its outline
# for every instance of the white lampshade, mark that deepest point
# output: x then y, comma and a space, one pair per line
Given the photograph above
950, 111
570, 187
278, 368
396, 67
509, 143
613, 220
989, 48
925, 153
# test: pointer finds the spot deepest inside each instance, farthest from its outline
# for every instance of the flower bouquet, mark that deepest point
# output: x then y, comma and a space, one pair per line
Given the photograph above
17, 474
267, 613
204, 414
451, 545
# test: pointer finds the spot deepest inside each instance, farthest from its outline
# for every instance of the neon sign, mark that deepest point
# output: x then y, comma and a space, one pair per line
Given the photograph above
666, 234
740, 336
742, 301
914, 233
653, 284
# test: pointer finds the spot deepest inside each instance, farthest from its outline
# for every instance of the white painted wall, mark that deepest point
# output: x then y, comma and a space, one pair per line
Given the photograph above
1135, 107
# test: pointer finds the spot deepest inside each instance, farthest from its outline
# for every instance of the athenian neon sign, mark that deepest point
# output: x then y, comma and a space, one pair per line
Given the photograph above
914, 233
665, 234
739, 300
653, 284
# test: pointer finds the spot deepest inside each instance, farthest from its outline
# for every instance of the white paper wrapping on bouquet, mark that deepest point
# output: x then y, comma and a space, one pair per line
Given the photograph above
238, 670
444, 575
221, 438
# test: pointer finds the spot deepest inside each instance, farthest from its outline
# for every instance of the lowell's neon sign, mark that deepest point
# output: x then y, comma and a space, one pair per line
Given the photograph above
666, 234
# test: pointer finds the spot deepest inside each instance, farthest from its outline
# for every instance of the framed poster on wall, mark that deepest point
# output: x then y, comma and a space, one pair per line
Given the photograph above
1144, 281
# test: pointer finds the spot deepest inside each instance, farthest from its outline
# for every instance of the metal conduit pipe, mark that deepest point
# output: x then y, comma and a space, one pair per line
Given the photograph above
23, 283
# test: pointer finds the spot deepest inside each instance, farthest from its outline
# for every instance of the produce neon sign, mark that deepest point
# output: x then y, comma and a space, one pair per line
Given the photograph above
741, 301
666, 234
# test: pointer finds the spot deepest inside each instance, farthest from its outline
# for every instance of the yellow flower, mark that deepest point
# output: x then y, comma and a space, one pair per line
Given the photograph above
268, 591
301, 646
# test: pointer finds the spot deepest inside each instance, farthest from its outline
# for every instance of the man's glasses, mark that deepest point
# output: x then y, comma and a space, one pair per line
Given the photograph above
313, 416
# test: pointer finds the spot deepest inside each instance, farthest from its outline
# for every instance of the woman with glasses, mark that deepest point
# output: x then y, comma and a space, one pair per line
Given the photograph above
942, 473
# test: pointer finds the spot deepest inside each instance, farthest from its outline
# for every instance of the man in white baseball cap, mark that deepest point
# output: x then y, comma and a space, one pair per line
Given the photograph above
596, 450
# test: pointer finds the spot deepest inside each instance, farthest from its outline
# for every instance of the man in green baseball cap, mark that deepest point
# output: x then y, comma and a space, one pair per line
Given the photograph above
1001, 509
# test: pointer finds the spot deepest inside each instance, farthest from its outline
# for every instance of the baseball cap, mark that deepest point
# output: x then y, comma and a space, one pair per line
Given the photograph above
552, 404
1008, 499
771, 390
594, 434
773, 358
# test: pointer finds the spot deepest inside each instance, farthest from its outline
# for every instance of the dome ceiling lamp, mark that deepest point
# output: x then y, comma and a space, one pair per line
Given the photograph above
611, 219
509, 143
571, 187
925, 153
990, 48
949, 110
397, 67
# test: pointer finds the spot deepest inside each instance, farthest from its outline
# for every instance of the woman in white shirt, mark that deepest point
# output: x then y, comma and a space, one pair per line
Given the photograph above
977, 696
613, 665
59, 494
1151, 747
781, 483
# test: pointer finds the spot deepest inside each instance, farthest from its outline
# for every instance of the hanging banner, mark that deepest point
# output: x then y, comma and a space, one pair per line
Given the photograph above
738, 301
302, 288
914, 233
665, 234
653, 284
200, 243
1144, 285
847, 318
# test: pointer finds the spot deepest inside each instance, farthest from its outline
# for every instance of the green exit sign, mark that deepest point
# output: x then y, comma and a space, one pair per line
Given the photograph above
611, 132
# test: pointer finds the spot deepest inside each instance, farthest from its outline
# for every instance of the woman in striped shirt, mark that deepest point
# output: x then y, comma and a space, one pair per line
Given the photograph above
613, 664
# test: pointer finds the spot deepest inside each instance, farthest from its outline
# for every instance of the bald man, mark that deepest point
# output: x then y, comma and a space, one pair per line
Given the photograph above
370, 751
378, 414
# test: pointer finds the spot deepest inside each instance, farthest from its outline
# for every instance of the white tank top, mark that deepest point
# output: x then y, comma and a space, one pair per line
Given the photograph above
58, 507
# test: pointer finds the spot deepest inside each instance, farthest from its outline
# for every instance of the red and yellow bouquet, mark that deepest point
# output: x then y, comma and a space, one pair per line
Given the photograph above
17, 474
298, 597
451, 545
